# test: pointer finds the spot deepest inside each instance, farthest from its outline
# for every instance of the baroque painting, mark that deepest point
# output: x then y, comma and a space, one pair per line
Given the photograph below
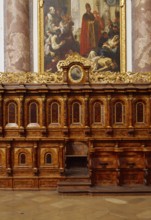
90, 28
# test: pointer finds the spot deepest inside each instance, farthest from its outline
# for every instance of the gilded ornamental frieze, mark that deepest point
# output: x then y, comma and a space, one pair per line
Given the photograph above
88, 67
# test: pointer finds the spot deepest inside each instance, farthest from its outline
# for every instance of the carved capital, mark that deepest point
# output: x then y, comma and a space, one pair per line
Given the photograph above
9, 171
130, 98
35, 171
35, 146
61, 146
8, 146
108, 98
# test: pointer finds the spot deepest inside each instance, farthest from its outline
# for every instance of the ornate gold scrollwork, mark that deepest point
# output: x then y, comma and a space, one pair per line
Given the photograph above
95, 77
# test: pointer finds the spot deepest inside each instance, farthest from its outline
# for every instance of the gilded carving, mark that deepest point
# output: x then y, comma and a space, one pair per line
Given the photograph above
95, 77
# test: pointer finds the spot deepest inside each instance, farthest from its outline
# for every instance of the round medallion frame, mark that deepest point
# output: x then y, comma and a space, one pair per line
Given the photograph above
76, 74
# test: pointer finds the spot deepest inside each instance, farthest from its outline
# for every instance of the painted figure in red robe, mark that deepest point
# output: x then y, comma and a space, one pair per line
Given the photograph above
89, 32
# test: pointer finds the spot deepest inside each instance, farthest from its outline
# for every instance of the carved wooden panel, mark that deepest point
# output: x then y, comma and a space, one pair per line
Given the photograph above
105, 177
2, 157
132, 177
132, 160
105, 160
3, 172
23, 172
48, 183
49, 172
25, 183
28, 154
6, 183
54, 156
104, 144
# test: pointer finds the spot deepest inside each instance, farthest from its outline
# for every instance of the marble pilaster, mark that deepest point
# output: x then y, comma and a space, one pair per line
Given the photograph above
141, 35
17, 36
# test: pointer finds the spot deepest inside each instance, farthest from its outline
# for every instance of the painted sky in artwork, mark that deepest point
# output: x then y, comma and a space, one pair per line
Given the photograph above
88, 27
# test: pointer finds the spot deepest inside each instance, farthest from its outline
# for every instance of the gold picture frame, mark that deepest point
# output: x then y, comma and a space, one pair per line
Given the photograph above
122, 8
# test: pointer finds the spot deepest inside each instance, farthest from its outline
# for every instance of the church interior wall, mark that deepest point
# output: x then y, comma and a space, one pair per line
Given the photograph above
76, 136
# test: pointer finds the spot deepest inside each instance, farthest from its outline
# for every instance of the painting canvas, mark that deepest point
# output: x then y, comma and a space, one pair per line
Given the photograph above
90, 28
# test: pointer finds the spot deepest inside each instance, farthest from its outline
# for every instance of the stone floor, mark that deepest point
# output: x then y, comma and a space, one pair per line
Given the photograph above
45, 205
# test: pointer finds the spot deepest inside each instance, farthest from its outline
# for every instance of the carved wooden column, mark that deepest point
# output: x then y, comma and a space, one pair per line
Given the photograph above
8, 160
117, 151
145, 168
43, 111
5, 118
35, 159
61, 159
108, 111
91, 152
147, 116
141, 20
130, 112
87, 115
65, 111
21, 112
17, 36
42, 106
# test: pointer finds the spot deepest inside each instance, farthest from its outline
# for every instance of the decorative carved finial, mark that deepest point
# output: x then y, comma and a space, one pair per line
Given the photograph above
41, 3
122, 2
